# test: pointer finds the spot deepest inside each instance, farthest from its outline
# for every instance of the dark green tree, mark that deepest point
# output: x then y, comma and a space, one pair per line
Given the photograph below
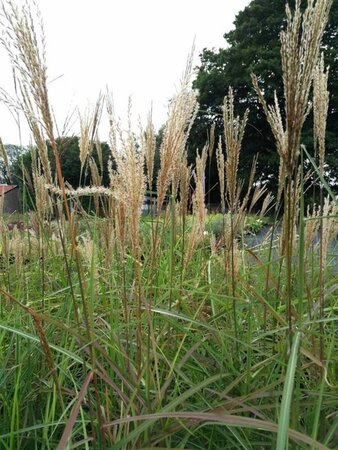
13, 152
253, 46
68, 148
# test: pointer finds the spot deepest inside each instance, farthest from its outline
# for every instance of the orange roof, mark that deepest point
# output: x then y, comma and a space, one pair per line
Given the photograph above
4, 188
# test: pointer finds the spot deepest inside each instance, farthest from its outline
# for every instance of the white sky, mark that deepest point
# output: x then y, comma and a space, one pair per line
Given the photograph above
138, 48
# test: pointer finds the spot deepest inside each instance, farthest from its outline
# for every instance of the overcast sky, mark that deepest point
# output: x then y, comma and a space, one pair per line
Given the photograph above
138, 48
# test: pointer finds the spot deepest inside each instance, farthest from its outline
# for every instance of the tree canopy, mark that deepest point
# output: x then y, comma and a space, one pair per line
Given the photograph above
12, 153
253, 46
68, 148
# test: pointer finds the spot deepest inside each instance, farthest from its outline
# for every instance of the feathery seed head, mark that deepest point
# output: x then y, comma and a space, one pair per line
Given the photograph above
89, 121
320, 108
234, 128
149, 141
300, 45
182, 112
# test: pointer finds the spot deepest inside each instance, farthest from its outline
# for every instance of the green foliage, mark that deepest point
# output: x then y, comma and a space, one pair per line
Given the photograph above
200, 386
217, 222
253, 47
13, 151
70, 163
122, 332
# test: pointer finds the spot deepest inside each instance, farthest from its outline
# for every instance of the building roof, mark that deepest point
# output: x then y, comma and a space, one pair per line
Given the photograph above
4, 188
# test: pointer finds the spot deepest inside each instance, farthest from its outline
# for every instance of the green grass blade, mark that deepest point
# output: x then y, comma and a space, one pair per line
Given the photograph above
33, 338
332, 431
225, 419
283, 425
324, 182
316, 420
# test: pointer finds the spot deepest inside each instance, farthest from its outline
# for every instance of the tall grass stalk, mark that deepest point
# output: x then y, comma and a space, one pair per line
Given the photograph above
283, 425
321, 104
299, 53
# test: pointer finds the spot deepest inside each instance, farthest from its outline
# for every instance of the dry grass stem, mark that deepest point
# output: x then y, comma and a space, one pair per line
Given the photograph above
211, 141
234, 128
320, 109
199, 209
89, 121
150, 147
185, 178
221, 172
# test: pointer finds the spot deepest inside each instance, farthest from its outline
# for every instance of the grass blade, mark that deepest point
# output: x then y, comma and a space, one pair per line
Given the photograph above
75, 410
284, 419
226, 419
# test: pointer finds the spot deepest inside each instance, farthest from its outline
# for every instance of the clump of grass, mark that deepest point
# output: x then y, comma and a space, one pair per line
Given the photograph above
124, 331
300, 46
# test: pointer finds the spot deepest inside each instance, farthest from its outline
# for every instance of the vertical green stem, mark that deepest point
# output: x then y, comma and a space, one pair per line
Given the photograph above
172, 247
321, 277
301, 279
233, 282
288, 239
